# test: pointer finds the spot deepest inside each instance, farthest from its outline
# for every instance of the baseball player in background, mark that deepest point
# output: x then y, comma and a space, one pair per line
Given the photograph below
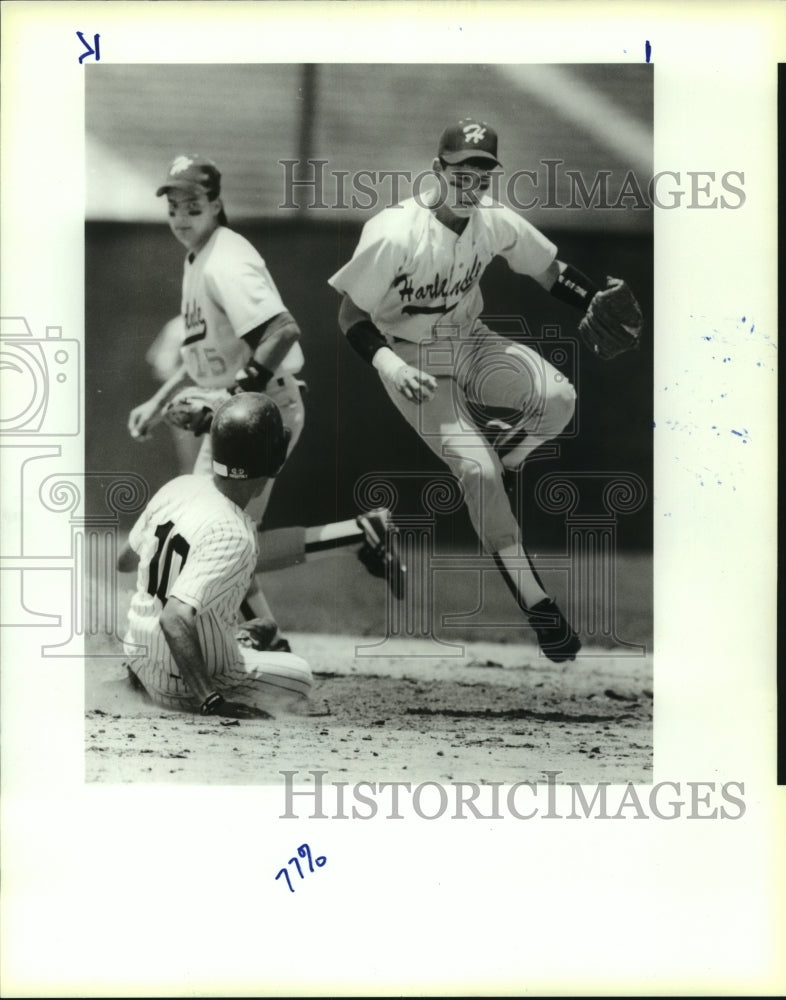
238, 334
195, 550
163, 356
411, 307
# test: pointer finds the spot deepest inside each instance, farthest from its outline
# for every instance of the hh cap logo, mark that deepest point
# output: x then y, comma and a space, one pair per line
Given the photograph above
474, 133
180, 164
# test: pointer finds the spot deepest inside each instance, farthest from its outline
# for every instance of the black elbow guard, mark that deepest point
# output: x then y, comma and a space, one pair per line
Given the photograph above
574, 288
366, 339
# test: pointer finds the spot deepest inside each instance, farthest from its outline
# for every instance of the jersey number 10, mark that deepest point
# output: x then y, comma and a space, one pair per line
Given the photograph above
158, 575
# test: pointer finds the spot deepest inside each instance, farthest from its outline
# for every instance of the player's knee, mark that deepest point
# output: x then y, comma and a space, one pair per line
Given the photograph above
478, 469
560, 406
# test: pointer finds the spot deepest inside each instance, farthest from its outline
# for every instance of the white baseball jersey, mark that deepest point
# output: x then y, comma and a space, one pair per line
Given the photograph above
410, 272
198, 546
420, 283
227, 292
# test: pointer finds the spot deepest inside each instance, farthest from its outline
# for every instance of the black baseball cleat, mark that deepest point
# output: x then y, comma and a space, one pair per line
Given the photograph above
379, 552
555, 636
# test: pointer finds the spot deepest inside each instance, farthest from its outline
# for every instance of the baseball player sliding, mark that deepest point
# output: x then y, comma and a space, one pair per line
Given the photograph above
411, 308
195, 550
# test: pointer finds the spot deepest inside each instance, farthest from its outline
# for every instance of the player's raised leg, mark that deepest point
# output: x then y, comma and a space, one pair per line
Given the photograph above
461, 445
507, 376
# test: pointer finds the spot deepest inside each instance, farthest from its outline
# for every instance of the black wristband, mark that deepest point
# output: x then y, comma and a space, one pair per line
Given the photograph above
254, 378
366, 339
574, 288
211, 703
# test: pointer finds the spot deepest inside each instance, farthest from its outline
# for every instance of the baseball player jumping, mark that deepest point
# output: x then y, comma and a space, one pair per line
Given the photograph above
411, 308
195, 551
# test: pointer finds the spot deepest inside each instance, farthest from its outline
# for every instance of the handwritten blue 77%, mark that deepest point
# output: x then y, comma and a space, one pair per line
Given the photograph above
304, 851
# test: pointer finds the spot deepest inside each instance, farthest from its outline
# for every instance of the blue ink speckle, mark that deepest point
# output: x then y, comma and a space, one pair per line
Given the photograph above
647, 50
743, 319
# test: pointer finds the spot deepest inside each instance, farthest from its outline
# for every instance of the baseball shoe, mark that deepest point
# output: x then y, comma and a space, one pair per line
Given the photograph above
379, 552
555, 636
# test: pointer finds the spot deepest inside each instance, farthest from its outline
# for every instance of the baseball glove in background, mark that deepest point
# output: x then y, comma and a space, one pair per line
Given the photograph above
192, 408
613, 321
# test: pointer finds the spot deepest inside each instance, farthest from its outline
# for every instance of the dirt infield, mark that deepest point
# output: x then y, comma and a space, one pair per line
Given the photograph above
486, 707
498, 713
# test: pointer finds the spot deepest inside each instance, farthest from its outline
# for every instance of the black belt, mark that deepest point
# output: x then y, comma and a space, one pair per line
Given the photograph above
281, 382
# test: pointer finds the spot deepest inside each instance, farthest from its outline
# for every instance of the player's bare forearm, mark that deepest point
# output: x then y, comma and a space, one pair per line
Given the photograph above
144, 417
547, 278
178, 623
176, 381
270, 343
366, 340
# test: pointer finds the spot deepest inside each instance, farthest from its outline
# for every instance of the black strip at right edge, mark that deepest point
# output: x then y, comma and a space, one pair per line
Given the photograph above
781, 671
